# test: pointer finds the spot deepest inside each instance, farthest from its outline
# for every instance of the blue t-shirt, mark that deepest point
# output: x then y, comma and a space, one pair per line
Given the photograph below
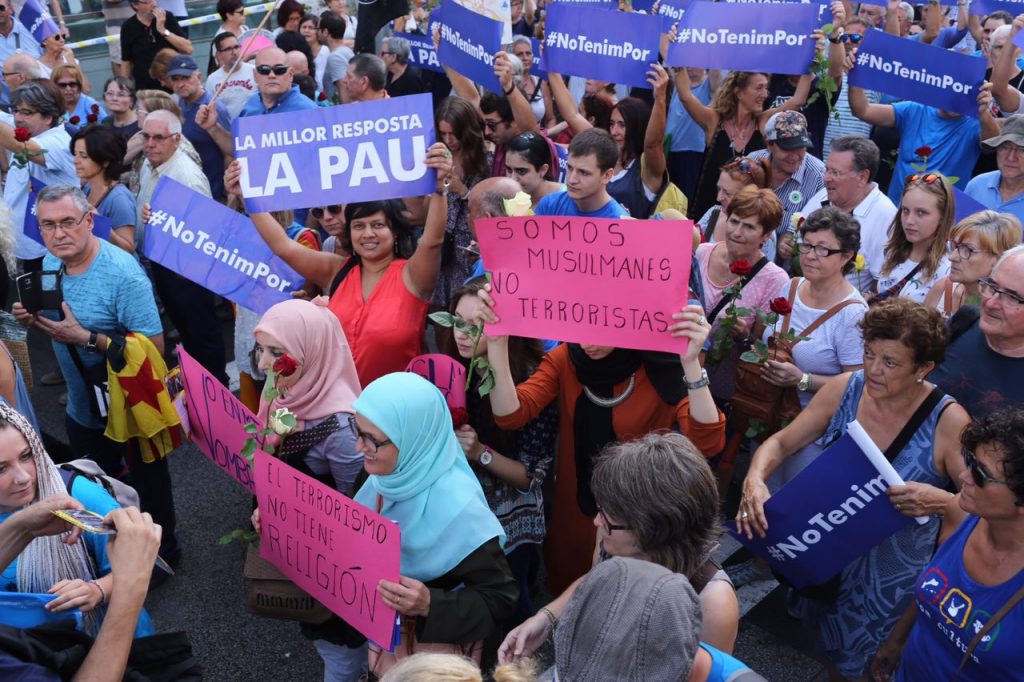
723, 666
118, 206
84, 108
984, 189
687, 134
209, 153
113, 295
560, 203
954, 143
293, 100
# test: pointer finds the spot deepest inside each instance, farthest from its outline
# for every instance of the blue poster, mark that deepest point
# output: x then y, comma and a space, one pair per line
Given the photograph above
670, 11
469, 42
985, 7
100, 223
215, 247
964, 205
608, 45
539, 69
746, 37
834, 511
37, 20
422, 54
592, 4
359, 152
920, 73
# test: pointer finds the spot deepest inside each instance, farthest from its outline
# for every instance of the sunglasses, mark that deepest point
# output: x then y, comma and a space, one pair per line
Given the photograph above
69, 85
146, 137
852, 37
929, 179
978, 473
266, 69
318, 212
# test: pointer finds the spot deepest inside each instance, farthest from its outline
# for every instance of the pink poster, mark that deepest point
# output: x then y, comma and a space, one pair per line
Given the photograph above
594, 281
216, 420
331, 546
446, 373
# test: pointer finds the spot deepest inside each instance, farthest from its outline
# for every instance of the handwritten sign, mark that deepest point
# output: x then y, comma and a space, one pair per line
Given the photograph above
469, 42
331, 546
365, 151
607, 282
445, 372
216, 420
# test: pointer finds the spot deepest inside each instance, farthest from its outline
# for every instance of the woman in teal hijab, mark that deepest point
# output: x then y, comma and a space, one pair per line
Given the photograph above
456, 586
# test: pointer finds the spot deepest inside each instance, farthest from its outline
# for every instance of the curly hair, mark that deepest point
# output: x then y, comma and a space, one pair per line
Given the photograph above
918, 327
760, 204
898, 248
841, 224
1004, 430
725, 102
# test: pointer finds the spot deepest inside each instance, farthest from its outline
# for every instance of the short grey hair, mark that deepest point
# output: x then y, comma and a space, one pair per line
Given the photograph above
908, 9
40, 99
1007, 255
371, 67
399, 47
168, 117
53, 193
865, 152
25, 65
519, 39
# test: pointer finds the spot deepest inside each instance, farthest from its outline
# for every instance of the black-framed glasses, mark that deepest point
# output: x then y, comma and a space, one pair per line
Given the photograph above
978, 473
820, 250
67, 224
266, 69
965, 251
232, 48
333, 209
371, 444
492, 125
988, 289
608, 525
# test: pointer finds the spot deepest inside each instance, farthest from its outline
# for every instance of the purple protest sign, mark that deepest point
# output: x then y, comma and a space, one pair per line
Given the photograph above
919, 73
985, 7
832, 512
609, 45
964, 205
37, 20
362, 151
421, 52
215, 247
469, 42
746, 37
592, 4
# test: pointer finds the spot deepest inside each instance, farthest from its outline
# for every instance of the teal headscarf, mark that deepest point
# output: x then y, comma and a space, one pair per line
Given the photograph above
432, 494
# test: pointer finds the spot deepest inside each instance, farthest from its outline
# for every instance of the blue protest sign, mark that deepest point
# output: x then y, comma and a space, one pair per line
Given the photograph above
422, 54
824, 11
985, 7
964, 205
37, 20
358, 152
539, 68
917, 72
608, 45
592, 4
563, 162
832, 512
469, 42
215, 247
100, 223
746, 37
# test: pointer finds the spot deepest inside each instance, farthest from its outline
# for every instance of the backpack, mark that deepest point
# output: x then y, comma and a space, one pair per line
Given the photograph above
125, 495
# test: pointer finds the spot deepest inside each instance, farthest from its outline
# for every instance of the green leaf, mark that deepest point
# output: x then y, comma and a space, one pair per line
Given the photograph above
754, 429
250, 428
249, 449
442, 319
827, 29
487, 384
751, 356
226, 539
482, 363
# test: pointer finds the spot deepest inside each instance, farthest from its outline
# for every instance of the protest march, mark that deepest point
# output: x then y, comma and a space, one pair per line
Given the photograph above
432, 340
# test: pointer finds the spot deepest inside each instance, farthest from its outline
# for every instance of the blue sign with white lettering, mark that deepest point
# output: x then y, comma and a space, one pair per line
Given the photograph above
37, 20
469, 42
592, 4
986, 7
608, 45
359, 152
422, 54
832, 512
744, 37
918, 72
215, 247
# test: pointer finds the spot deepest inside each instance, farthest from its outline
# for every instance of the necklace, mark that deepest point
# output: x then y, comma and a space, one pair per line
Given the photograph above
614, 400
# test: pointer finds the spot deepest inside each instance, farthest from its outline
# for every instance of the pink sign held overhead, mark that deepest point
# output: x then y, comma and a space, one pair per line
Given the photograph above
331, 546
216, 420
586, 280
445, 372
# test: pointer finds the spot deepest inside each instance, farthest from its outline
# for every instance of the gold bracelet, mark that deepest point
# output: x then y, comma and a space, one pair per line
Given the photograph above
551, 618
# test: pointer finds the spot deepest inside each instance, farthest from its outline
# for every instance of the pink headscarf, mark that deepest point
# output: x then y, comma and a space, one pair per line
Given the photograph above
312, 335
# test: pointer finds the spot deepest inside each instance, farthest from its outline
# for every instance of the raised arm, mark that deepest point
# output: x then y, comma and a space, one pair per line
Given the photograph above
892, 21
883, 115
1007, 98
836, 51
522, 113
706, 117
989, 125
565, 104
420, 272
654, 162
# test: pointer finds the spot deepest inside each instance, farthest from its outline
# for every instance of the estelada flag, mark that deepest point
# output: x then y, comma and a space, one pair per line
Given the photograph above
372, 16
140, 406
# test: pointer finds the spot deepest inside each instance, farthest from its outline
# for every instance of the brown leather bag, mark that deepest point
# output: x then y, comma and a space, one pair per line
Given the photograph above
766, 407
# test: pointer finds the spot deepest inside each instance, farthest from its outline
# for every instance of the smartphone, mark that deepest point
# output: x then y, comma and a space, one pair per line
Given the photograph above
40, 290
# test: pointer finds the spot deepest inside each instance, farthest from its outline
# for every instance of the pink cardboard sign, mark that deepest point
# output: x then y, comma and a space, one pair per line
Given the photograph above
595, 281
216, 420
445, 372
331, 546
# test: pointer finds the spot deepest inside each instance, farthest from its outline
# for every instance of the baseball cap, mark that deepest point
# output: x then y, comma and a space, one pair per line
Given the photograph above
181, 66
788, 129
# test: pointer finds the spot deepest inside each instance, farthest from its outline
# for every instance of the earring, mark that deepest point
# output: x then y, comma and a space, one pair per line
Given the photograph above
920, 380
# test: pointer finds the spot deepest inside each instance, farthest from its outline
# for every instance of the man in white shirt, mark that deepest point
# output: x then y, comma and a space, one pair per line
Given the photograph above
14, 39
851, 164
242, 84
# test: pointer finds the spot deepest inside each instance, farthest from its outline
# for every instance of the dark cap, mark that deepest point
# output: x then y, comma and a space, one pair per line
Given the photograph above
788, 129
181, 66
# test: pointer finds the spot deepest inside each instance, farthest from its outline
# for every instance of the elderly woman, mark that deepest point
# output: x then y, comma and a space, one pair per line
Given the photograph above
657, 501
603, 395
99, 153
533, 88
119, 100
55, 53
455, 587
79, 108
732, 177
980, 566
975, 244
79, 574
903, 341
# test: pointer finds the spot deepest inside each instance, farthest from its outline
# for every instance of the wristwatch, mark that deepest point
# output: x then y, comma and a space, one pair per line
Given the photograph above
167, 31
699, 383
805, 382
90, 345
486, 457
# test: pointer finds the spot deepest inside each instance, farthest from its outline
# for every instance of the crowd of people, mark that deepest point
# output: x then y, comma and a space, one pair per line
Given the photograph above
567, 523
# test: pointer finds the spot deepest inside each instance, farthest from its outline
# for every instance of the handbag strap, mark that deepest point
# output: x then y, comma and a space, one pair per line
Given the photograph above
896, 288
914, 423
726, 299
712, 221
947, 296
342, 274
822, 319
992, 622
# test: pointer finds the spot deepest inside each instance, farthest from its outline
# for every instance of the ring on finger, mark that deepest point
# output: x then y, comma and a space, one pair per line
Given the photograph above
702, 321
745, 515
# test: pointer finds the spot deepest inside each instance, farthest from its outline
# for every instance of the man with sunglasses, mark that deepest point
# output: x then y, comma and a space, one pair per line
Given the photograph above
277, 93
142, 36
242, 84
984, 365
14, 39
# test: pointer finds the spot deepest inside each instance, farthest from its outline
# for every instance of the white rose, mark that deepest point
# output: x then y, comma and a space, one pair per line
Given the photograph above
282, 421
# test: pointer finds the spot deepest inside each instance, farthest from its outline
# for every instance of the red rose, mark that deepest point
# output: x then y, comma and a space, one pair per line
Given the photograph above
923, 151
285, 366
460, 417
91, 118
740, 267
22, 134
322, 97
781, 306
95, 108
74, 120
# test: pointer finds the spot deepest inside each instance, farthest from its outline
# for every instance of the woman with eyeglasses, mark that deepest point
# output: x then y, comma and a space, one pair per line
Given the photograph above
55, 53
381, 292
657, 501
119, 99
975, 244
530, 160
99, 156
914, 258
917, 426
81, 109
320, 392
308, 30
961, 595
232, 13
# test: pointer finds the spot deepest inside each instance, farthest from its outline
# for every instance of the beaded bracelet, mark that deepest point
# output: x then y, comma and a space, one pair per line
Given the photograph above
103, 593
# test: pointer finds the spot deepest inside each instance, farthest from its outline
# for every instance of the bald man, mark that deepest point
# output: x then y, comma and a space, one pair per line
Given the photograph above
19, 69
277, 93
